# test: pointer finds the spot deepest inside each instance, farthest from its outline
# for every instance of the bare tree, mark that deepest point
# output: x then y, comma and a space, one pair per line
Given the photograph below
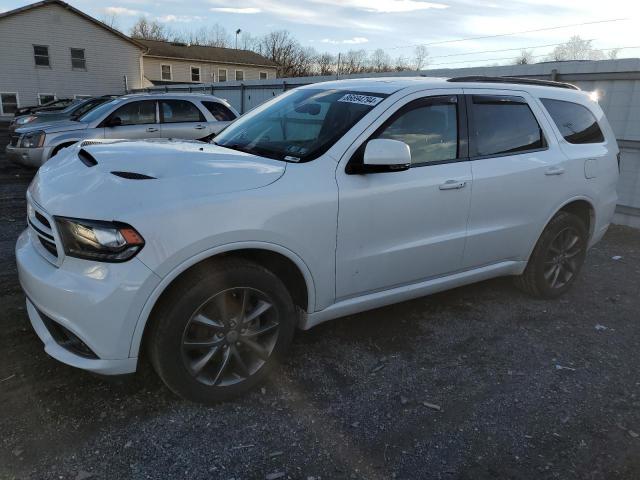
149, 30
111, 20
402, 64
354, 61
326, 64
525, 58
576, 49
613, 53
380, 61
212, 36
420, 57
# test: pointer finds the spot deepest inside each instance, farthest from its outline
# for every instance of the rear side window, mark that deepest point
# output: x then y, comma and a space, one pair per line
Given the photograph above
575, 122
179, 111
219, 111
503, 125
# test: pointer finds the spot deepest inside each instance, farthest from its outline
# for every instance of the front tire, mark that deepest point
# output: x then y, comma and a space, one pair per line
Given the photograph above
557, 258
221, 330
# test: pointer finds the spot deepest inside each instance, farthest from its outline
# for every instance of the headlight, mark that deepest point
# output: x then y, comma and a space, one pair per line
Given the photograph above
33, 139
98, 240
25, 120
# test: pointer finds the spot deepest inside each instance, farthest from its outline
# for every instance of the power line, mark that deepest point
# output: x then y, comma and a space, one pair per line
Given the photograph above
507, 34
503, 50
513, 58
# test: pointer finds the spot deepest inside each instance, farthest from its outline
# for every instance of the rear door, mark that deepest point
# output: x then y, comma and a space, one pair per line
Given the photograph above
138, 120
182, 119
519, 175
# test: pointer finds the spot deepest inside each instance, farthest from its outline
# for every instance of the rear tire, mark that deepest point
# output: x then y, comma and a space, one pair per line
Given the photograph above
221, 330
557, 257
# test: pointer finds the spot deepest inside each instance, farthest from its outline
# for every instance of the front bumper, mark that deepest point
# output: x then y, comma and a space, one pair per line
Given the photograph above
29, 157
99, 303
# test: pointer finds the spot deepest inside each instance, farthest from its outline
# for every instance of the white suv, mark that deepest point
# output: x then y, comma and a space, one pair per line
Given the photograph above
328, 200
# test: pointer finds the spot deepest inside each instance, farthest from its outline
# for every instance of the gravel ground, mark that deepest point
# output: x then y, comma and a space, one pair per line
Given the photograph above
479, 382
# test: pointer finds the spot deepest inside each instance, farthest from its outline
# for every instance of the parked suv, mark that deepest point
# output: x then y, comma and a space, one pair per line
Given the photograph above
138, 116
328, 200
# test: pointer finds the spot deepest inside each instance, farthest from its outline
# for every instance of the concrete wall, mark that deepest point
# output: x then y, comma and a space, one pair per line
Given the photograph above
617, 83
181, 70
108, 57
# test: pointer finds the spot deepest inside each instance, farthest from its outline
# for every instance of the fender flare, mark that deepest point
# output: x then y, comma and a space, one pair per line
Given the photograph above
555, 211
159, 289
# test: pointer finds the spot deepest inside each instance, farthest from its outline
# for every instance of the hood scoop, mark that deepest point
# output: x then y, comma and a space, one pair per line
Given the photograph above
86, 158
132, 175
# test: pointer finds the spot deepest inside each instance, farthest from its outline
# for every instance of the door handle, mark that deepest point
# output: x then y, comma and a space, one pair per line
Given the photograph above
152, 129
200, 127
452, 185
554, 171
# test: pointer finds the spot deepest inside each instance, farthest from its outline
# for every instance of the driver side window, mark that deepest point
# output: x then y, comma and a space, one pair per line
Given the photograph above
136, 113
430, 130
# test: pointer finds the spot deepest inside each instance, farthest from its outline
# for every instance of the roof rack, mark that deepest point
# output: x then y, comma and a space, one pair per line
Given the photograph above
517, 80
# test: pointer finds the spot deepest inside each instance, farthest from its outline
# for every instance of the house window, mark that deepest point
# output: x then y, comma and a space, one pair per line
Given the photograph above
195, 74
263, 75
222, 74
77, 59
41, 55
46, 98
239, 75
8, 103
165, 72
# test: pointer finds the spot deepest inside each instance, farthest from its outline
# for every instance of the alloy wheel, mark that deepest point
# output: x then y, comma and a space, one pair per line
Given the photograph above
563, 258
230, 336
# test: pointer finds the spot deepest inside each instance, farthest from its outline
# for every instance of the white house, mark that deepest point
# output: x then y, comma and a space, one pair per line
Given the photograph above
51, 50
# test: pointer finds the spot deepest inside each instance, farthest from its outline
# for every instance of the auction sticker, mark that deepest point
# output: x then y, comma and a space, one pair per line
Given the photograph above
361, 99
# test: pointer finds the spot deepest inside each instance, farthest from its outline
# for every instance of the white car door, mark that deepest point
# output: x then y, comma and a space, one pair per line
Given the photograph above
519, 175
398, 228
133, 120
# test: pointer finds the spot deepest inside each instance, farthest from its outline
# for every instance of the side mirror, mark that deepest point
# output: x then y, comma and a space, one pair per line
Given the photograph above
114, 122
385, 155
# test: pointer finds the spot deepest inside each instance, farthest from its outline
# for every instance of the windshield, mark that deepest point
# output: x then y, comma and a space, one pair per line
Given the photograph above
87, 106
97, 112
299, 126
72, 106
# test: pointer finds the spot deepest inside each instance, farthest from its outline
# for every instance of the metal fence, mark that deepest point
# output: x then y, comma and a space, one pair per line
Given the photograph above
617, 83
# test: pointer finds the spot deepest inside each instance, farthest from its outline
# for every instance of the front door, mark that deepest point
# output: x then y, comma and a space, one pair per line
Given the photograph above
398, 228
138, 120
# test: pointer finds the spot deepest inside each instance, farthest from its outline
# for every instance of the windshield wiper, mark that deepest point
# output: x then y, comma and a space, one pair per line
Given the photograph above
264, 152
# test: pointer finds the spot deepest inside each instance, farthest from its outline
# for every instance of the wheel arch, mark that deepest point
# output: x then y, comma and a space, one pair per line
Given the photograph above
286, 264
581, 206
61, 145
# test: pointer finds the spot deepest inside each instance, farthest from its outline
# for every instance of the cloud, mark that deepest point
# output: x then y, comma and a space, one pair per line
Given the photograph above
385, 6
179, 18
245, 10
127, 12
348, 41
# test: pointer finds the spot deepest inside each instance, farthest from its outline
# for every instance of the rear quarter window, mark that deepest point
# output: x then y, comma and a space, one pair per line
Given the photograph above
219, 111
576, 122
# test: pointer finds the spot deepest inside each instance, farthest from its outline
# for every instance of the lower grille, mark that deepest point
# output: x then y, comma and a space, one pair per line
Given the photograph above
66, 339
49, 246
41, 225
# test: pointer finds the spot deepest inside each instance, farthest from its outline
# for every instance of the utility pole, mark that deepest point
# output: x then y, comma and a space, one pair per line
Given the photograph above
237, 33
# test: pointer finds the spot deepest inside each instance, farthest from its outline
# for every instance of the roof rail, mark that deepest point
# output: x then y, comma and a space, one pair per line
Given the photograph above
516, 80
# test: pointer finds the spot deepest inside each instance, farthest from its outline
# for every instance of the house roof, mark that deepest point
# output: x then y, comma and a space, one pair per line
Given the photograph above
182, 51
60, 3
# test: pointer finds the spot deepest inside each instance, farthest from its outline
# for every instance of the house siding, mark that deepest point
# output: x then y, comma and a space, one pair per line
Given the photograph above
108, 57
181, 70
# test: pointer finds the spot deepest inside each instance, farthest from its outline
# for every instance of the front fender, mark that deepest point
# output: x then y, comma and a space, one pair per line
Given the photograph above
182, 267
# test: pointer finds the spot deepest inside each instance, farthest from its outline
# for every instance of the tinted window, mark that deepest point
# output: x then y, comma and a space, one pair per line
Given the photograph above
575, 122
41, 55
503, 125
136, 113
219, 111
178, 111
431, 131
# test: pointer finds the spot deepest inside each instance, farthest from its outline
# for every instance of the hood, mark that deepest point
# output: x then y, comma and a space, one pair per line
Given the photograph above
102, 179
52, 126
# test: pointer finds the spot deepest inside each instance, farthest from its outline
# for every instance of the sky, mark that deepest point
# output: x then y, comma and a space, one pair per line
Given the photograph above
398, 25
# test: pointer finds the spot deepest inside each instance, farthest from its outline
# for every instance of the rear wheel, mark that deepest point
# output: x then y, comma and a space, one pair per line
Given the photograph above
557, 257
221, 331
